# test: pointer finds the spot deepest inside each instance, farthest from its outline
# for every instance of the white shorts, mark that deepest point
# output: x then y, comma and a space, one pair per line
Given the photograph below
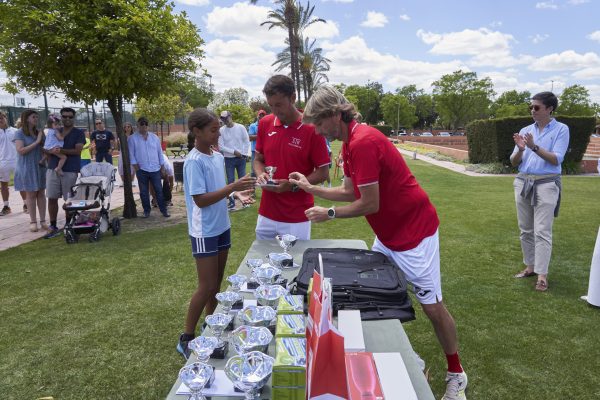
267, 229
6, 169
421, 267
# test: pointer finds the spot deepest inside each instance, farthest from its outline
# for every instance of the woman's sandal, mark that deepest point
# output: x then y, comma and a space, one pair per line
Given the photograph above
43, 224
541, 286
33, 227
525, 274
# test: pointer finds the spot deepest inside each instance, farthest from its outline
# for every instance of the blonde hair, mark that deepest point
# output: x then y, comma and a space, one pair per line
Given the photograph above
326, 102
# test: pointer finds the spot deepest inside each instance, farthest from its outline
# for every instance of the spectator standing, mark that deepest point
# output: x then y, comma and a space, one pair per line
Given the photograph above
8, 162
145, 154
168, 181
252, 135
289, 145
234, 144
539, 152
30, 176
379, 185
60, 185
128, 129
86, 155
104, 142
209, 227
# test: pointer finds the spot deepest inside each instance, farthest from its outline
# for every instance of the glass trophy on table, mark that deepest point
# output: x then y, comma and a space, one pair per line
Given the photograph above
249, 372
217, 323
195, 376
248, 338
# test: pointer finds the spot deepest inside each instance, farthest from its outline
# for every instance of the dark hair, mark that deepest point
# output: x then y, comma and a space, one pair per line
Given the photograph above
67, 109
548, 99
24, 115
142, 119
201, 117
51, 119
279, 84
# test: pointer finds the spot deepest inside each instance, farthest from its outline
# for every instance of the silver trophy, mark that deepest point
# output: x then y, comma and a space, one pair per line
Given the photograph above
203, 347
257, 315
271, 171
217, 323
286, 242
268, 295
248, 338
281, 260
227, 300
249, 372
253, 263
195, 376
266, 274
236, 281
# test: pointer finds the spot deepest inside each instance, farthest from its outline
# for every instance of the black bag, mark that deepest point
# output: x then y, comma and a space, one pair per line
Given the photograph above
361, 280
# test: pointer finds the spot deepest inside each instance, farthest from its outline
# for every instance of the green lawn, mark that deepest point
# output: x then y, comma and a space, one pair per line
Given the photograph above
101, 321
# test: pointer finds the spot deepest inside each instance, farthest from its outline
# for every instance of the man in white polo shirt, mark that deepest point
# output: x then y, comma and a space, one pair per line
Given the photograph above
8, 161
234, 144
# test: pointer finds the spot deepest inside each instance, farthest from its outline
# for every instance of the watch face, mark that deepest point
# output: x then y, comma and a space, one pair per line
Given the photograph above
331, 213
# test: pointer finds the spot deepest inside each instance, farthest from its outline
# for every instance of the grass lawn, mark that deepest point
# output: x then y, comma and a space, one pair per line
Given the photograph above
101, 320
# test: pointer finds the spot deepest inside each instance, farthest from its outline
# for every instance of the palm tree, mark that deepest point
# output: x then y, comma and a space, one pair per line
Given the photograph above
293, 17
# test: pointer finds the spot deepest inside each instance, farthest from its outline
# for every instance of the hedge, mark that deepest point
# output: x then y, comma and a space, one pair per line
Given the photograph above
385, 129
491, 140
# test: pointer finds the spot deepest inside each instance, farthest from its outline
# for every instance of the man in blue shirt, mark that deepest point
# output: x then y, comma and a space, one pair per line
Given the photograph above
59, 185
146, 158
539, 152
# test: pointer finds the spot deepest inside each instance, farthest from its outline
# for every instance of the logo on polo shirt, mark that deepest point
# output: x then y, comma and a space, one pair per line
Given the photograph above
272, 133
296, 142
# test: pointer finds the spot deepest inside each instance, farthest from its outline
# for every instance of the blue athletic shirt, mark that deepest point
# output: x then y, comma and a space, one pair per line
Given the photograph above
203, 174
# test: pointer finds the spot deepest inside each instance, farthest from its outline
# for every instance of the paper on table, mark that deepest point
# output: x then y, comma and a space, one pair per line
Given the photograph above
221, 386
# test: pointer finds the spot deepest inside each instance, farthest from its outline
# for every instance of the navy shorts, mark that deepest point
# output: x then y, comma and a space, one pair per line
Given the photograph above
210, 246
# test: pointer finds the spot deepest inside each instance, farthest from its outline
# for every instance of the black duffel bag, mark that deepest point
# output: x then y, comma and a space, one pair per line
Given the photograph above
361, 280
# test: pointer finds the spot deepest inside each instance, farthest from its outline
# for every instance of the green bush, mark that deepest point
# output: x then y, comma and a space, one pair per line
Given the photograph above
491, 140
176, 139
385, 129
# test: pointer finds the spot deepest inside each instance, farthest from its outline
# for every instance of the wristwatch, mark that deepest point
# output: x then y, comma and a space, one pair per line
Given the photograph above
535, 148
331, 212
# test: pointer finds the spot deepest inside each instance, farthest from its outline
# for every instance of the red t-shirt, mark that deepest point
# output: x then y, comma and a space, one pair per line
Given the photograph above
296, 148
405, 216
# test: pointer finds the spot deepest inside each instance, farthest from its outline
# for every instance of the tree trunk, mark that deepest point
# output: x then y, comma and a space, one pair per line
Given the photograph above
116, 107
291, 13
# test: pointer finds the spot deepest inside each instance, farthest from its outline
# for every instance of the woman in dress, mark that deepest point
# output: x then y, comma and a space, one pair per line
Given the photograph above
30, 176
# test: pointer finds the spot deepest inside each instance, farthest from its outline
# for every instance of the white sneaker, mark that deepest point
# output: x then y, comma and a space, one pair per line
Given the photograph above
456, 384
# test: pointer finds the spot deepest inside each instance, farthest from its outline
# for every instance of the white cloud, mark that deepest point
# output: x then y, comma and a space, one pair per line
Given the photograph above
546, 5
354, 62
539, 38
578, 2
194, 2
374, 20
487, 48
405, 17
566, 61
242, 21
587, 73
594, 36
322, 30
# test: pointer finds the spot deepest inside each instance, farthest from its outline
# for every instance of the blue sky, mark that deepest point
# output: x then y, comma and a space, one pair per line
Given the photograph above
523, 45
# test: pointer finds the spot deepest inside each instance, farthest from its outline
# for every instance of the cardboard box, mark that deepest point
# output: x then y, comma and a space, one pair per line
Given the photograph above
350, 326
291, 304
293, 325
290, 362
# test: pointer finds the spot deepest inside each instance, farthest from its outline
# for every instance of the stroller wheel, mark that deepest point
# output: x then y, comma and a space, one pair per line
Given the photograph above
116, 226
71, 237
95, 236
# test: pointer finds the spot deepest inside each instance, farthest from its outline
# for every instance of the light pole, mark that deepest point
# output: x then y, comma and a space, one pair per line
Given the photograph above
552, 87
398, 120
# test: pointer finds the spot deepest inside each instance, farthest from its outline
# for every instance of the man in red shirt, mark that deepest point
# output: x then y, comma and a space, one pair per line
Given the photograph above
379, 185
286, 143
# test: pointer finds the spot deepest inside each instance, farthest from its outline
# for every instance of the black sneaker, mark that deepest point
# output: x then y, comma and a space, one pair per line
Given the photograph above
53, 231
146, 214
166, 214
5, 211
182, 346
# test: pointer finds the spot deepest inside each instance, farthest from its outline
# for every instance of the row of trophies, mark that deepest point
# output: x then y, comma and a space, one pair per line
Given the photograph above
251, 367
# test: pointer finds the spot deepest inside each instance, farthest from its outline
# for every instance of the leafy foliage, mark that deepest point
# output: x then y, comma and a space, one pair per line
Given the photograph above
367, 100
575, 100
460, 97
229, 97
397, 111
240, 113
511, 104
424, 106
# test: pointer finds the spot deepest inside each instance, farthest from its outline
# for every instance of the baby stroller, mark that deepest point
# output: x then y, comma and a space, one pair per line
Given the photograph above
92, 191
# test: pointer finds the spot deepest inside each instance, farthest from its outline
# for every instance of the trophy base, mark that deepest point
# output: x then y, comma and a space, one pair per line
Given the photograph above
230, 327
241, 391
252, 285
238, 305
220, 352
282, 282
269, 184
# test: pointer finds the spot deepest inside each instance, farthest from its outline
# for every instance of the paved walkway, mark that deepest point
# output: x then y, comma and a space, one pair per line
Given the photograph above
461, 169
14, 227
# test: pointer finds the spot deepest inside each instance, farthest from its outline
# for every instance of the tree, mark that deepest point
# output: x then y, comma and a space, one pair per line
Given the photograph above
106, 50
161, 109
259, 103
460, 97
366, 99
228, 97
575, 100
240, 113
424, 106
397, 111
511, 104
294, 18
194, 91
